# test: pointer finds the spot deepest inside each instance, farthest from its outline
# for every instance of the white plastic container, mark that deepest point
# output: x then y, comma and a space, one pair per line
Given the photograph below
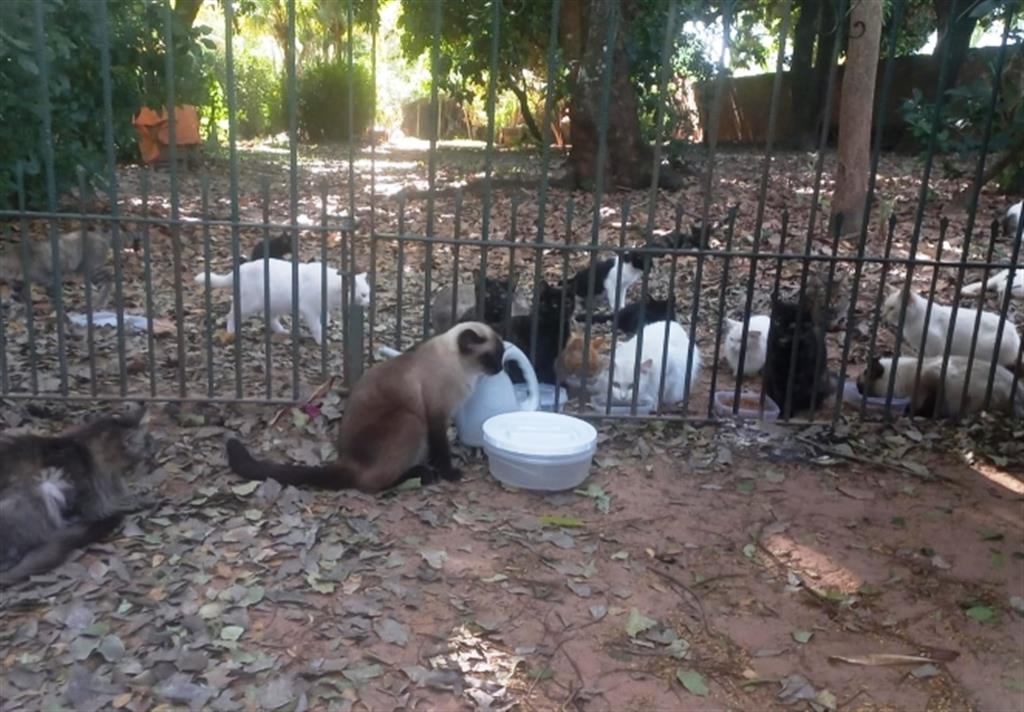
874, 405
538, 450
599, 400
547, 396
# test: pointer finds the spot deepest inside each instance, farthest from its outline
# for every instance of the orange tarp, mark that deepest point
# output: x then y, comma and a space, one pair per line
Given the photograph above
155, 132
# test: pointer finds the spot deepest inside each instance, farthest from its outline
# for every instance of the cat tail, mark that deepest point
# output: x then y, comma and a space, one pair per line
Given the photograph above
973, 290
595, 318
216, 280
332, 476
52, 553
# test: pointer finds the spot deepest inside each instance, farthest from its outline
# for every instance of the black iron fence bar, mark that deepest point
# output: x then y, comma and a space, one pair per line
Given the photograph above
147, 267
208, 317
346, 284
488, 196
348, 291
371, 270
103, 41
435, 134
90, 330
293, 187
268, 354
235, 220
46, 146
30, 323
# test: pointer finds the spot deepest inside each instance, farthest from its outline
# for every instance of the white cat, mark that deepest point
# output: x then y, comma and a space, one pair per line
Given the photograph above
757, 344
997, 283
622, 366
963, 330
1012, 219
252, 299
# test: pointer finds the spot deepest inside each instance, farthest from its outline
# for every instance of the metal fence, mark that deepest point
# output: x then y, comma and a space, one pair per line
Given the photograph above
162, 337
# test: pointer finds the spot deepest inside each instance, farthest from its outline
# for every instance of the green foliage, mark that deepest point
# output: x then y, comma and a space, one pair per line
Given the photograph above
961, 124
323, 97
258, 97
70, 58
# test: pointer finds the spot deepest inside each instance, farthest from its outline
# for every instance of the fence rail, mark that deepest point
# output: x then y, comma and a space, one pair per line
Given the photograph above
161, 338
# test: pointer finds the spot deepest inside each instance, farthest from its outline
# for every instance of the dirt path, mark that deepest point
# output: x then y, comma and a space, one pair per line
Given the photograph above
726, 559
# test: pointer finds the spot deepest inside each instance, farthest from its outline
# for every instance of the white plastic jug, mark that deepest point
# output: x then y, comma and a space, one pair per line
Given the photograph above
494, 395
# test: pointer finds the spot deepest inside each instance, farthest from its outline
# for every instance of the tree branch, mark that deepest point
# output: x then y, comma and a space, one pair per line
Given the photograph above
524, 107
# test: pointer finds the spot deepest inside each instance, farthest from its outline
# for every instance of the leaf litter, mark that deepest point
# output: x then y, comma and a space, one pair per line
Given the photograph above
228, 593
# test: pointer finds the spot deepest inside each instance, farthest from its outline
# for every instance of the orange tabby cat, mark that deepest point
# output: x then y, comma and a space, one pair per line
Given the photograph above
569, 365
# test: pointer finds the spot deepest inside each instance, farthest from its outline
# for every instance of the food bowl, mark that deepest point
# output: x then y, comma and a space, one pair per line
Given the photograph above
538, 450
547, 396
621, 407
750, 405
852, 399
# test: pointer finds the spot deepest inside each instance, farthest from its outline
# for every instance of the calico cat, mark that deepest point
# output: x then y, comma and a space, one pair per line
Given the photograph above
275, 248
796, 333
874, 381
62, 492
963, 330
607, 280
569, 367
251, 292
632, 317
756, 344
678, 369
495, 298
82, 252
554, 310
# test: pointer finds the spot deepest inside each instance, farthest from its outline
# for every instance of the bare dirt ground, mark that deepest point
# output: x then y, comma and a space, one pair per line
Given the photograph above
698, 568
729, 568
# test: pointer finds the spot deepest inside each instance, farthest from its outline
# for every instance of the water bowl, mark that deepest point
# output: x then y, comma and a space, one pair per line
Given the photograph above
539, 451
876, 405
749, 405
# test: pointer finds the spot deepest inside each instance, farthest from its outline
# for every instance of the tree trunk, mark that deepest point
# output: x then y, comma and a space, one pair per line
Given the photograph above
855, 112
802, 71
629, 158
187, 10
955, 29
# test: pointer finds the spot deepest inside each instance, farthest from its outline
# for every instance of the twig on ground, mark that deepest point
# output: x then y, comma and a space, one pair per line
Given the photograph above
700, 606
318, 393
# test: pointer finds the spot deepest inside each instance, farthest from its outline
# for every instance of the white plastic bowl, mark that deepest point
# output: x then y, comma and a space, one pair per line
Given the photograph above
600, 402
852, 399
724, 401
547, 396
538, 450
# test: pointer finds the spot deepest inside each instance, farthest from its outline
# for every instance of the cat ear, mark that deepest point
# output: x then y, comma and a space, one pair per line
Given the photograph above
597, 342
647, 365
733, 323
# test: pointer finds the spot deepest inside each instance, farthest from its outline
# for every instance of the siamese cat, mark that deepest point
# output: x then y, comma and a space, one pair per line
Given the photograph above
679, 368
756, 344
495, 298
998, 283
874, 381
275, 248
963, 330
62, 492
631, 318
395, 425
607, 280
251, 292
82, 252
796, 333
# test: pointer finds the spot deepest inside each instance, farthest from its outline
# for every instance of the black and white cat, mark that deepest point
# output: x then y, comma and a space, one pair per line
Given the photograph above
275, 248
554, 308
633, 317
796, 332
607, 280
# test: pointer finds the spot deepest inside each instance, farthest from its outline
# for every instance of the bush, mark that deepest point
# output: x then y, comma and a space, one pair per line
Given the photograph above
77, 111
257, 97
323, 94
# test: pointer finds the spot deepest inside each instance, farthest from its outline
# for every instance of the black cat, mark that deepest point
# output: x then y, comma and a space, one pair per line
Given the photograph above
276, 248
553, 310
796, 345
631, 318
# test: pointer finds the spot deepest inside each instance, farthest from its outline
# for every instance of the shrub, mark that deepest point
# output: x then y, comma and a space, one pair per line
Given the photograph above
323, 95
257, 96
77, 137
